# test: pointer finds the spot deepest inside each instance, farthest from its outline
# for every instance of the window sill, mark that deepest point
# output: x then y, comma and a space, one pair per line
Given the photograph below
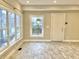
3, 47
8, 47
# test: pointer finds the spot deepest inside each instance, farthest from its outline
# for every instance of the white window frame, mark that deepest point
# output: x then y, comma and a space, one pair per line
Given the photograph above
5, 44
14, 39
17, 37
9, 43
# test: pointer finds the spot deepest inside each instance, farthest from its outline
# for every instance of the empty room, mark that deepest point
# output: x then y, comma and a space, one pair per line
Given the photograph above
39, 29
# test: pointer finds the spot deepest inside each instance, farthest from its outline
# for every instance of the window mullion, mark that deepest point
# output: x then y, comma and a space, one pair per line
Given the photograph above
21, 26
7, 29
15, 27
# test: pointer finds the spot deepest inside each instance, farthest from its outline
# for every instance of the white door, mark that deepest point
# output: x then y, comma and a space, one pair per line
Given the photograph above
57, 26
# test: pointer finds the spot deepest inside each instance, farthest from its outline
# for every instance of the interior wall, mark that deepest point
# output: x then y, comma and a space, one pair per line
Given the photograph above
26, 25
72, 28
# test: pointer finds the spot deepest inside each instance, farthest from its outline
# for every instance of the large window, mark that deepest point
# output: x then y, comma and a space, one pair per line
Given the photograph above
18, 26
3, 31
11, 26
37, 26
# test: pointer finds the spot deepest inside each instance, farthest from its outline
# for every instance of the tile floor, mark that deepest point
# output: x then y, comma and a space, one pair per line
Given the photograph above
48, 50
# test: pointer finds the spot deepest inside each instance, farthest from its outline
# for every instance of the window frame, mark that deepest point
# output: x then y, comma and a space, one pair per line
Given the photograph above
42, 35
5, 44
11, 40
9, 43
18, 37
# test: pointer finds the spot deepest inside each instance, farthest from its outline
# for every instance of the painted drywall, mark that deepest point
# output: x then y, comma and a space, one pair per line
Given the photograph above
72, 28
26, 25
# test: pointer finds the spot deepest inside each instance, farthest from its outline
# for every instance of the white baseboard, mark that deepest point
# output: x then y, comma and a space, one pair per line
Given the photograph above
37, 40
50, 40
70, 40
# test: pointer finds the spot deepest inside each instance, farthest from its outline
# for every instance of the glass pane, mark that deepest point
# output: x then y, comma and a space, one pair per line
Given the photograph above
0, 28
0, 19
3, 21
18, 26
3, 40
37, 26
0, 39
11, 26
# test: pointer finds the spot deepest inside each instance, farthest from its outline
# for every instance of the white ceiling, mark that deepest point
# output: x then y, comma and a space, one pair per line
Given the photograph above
49, 2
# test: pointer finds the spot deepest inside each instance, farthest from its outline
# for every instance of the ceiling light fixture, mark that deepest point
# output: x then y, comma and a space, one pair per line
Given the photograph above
54, 1
28, 1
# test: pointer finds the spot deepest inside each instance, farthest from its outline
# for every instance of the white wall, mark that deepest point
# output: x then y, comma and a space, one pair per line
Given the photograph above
26, 25
70, 31
72, 28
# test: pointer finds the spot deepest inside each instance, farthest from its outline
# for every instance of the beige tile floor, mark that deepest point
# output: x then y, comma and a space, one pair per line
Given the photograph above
48, 50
